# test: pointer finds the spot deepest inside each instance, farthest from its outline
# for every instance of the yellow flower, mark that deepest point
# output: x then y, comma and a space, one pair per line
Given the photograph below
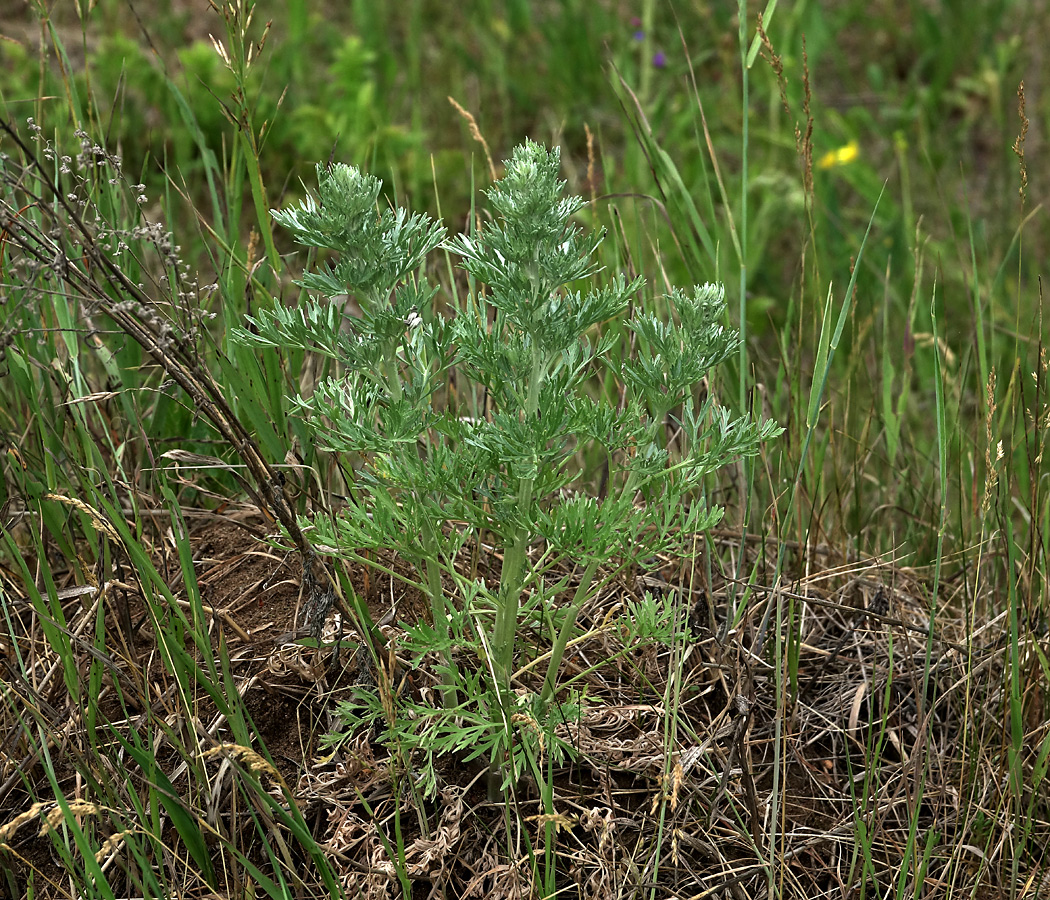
840, 157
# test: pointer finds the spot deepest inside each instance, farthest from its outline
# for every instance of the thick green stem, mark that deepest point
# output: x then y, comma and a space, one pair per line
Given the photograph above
439, 613
583, 590
515, 554
436, 590
511, 580
391, 373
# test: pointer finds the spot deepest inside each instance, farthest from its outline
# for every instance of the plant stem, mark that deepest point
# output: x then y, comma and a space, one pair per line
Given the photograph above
439, 613
514, 560
583, 590
511, 582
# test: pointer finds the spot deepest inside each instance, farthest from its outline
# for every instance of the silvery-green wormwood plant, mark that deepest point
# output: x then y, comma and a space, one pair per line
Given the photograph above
481, 423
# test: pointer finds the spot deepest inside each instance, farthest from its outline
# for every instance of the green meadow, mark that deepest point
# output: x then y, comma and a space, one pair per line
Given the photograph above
552, 449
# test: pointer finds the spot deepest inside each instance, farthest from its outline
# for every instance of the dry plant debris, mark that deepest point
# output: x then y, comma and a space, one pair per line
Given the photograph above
694, 775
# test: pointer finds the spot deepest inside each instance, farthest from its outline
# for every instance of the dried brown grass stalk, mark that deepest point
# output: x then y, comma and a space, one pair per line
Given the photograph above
91, 274
475, 133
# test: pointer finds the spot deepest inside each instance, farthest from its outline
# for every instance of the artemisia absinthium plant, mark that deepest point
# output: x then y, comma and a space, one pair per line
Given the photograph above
473, 426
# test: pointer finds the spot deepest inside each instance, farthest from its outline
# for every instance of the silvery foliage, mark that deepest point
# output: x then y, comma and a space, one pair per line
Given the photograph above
480, 423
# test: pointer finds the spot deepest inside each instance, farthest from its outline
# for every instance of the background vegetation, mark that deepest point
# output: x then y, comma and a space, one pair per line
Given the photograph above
866, 178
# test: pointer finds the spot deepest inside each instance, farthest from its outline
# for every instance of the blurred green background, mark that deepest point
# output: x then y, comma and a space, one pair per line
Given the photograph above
903, 115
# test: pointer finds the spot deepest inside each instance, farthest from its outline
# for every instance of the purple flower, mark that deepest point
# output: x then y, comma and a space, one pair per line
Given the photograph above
659, 59
639, 35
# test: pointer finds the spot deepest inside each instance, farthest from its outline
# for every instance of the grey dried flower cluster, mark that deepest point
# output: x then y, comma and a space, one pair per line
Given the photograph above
100, 221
